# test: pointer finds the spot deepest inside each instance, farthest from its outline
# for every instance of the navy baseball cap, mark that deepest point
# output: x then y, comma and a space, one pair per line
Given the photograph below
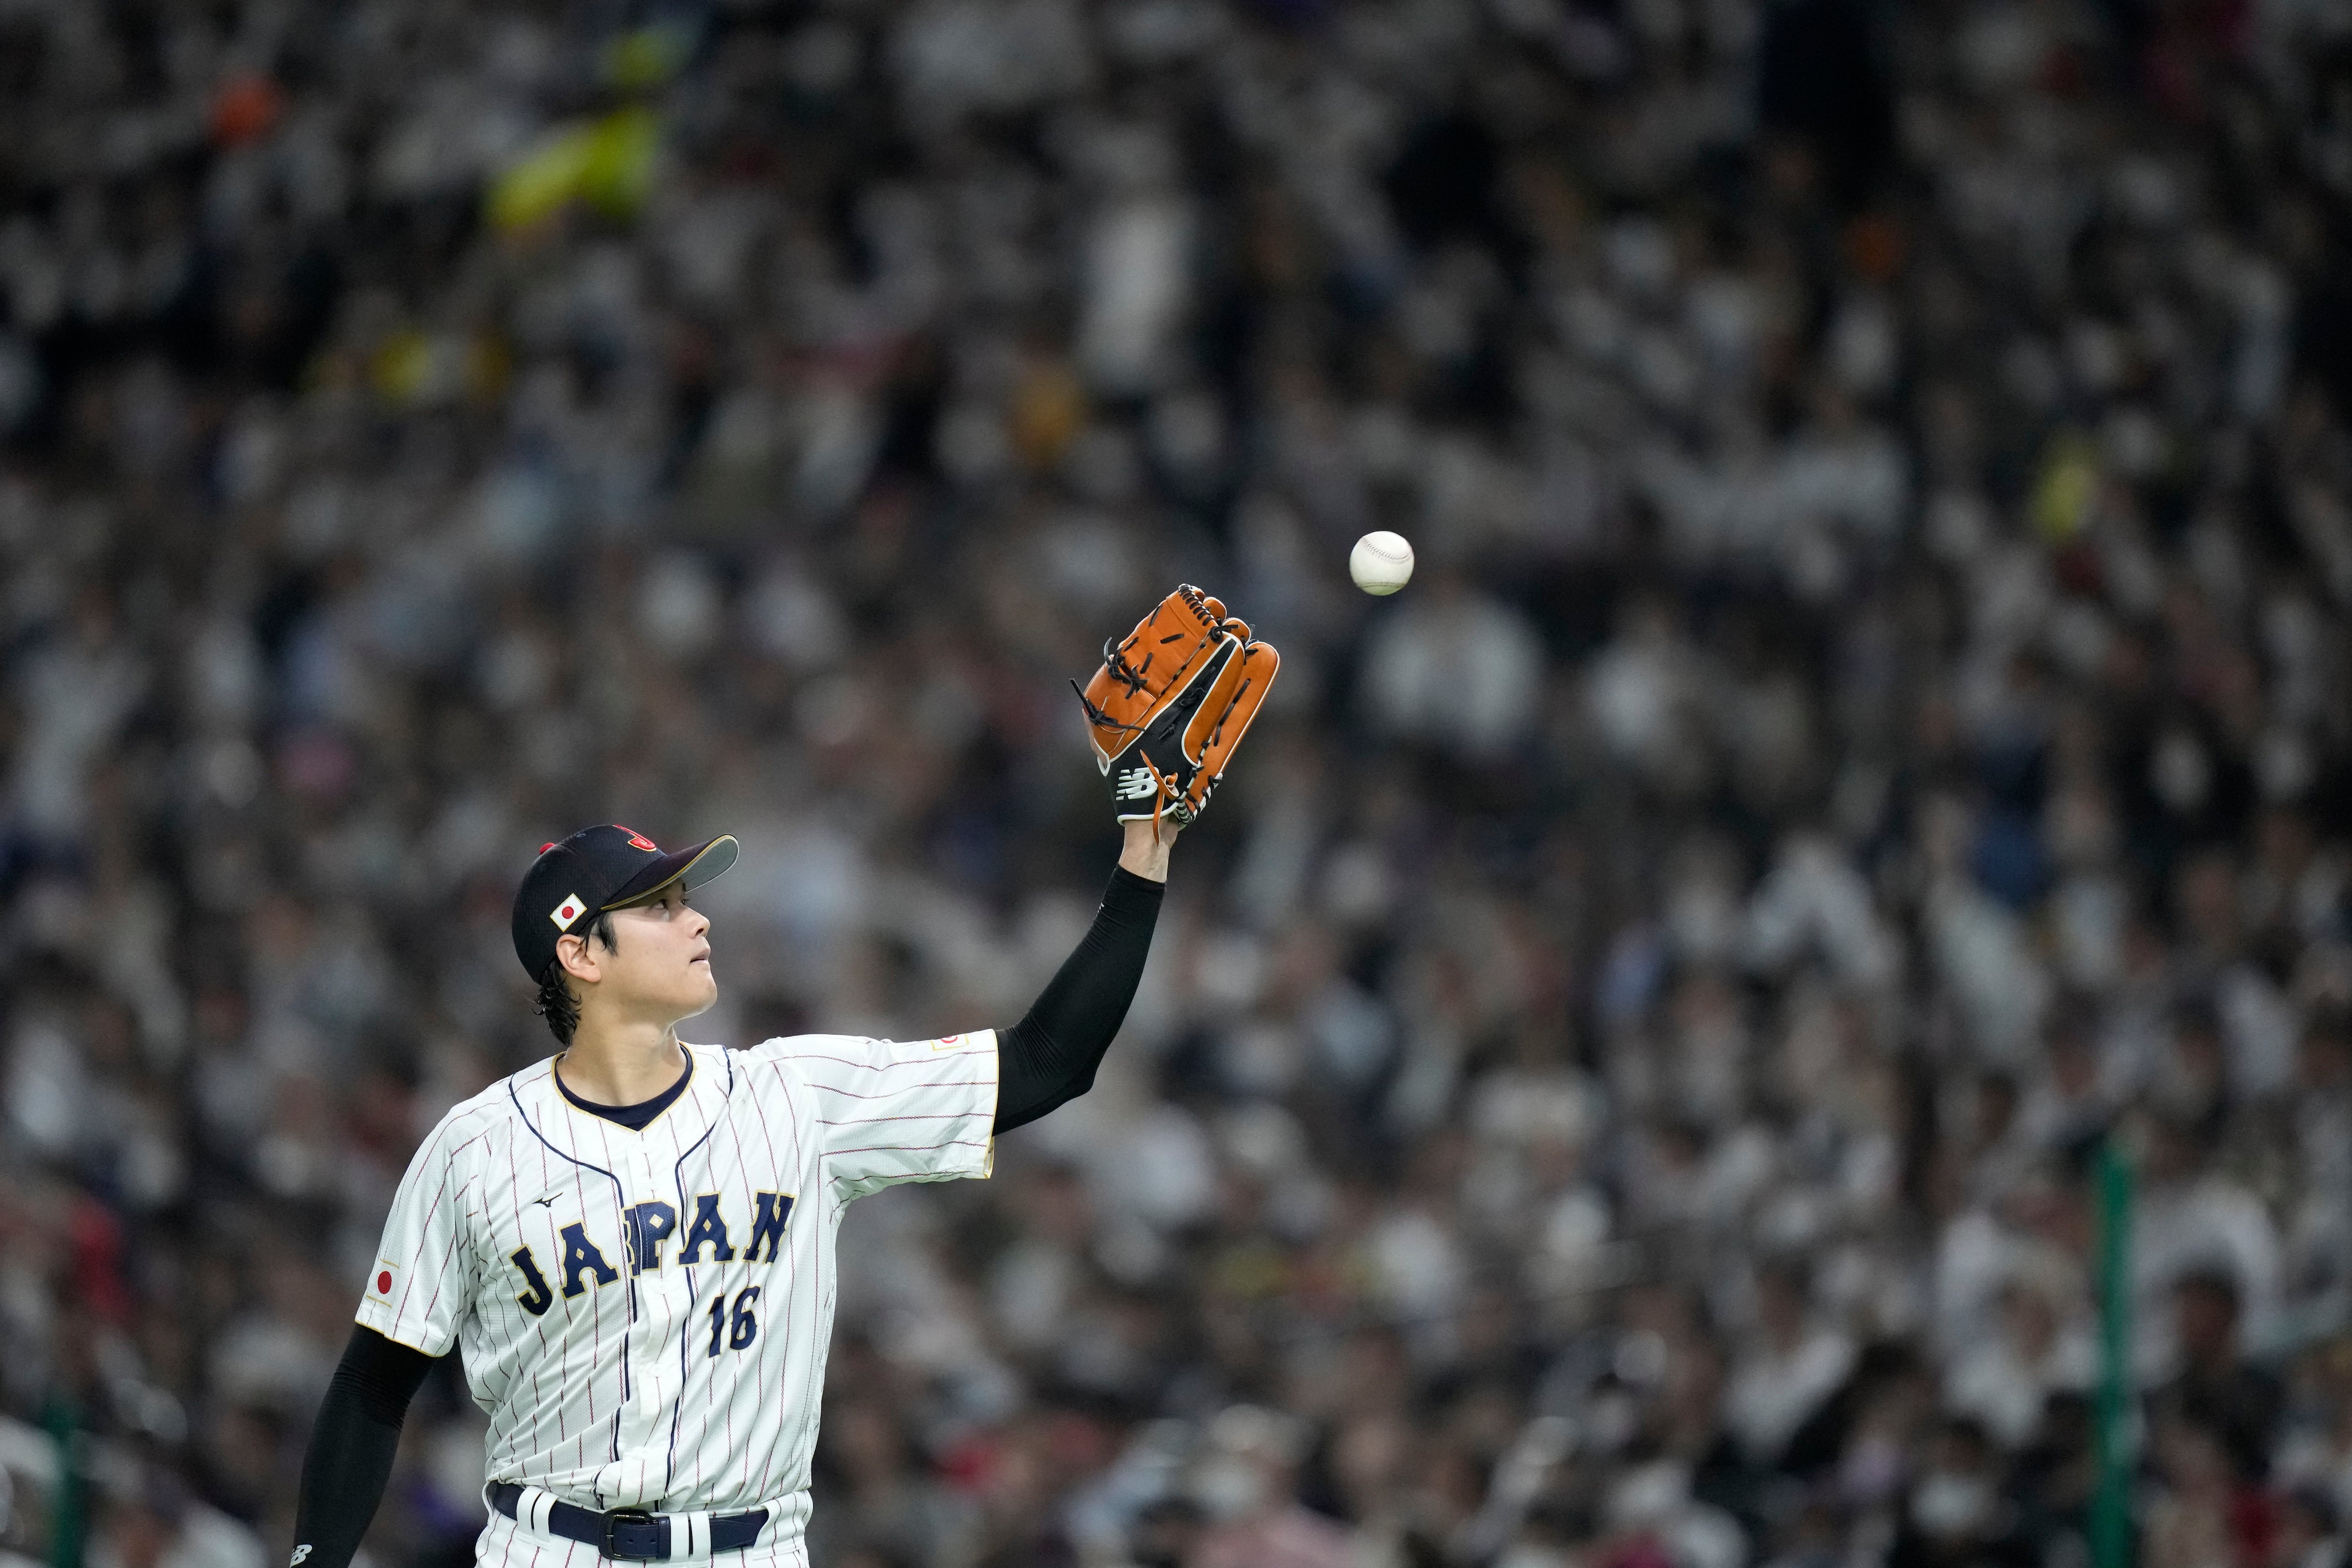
595, 870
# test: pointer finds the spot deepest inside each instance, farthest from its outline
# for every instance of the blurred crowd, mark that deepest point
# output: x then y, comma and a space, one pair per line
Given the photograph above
1629, 1055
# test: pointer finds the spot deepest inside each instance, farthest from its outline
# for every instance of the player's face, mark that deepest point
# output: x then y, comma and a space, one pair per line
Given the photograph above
663, 964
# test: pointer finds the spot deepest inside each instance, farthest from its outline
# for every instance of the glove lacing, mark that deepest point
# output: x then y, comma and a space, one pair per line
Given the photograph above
1099, 719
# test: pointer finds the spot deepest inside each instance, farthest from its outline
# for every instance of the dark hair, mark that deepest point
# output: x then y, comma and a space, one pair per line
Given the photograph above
556, 1002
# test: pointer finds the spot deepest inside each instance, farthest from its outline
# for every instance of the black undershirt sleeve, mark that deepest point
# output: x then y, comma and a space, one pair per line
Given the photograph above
1049, 1057
352, 1446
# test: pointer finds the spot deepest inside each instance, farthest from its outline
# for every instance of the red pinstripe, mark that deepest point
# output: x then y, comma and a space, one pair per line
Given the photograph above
902, 1088
910, 1148
924, 1116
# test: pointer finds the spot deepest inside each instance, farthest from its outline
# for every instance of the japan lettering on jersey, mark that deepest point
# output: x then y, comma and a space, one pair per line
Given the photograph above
646, 1315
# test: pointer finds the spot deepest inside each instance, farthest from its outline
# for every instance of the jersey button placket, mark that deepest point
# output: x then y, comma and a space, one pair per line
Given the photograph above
653, 1350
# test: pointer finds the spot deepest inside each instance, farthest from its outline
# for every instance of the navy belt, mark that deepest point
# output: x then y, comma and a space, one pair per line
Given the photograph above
629, 1534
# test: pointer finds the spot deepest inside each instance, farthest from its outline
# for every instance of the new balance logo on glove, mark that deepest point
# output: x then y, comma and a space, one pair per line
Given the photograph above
1137, 783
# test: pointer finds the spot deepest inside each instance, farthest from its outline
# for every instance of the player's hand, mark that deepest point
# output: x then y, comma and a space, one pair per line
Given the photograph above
1145, 853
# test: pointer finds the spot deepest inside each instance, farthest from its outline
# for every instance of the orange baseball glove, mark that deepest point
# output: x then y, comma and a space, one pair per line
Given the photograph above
1171, 700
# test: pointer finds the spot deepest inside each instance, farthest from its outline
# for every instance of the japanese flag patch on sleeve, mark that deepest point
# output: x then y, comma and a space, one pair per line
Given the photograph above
382, 1281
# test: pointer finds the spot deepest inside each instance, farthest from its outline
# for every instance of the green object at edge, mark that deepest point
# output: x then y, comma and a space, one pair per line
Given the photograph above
67, 1517
2111, 1523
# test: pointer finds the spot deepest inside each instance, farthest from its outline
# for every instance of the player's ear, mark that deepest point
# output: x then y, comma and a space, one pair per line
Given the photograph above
573, 952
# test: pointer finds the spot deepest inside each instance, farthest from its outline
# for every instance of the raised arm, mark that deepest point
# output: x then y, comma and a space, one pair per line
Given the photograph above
1050, 1056
1171, 701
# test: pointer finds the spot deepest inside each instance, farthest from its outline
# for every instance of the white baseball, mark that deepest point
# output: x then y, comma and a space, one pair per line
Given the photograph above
1382, 562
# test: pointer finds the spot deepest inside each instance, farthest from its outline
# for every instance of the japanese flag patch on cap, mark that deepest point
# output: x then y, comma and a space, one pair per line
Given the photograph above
570, 909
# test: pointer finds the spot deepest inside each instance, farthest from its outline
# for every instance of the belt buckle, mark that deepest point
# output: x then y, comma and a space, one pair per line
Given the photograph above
621, 1516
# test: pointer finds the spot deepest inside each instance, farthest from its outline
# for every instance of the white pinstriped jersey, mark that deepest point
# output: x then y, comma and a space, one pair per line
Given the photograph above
646, 1315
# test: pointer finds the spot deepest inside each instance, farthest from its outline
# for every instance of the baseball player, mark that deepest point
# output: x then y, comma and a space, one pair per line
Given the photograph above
632, 1242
